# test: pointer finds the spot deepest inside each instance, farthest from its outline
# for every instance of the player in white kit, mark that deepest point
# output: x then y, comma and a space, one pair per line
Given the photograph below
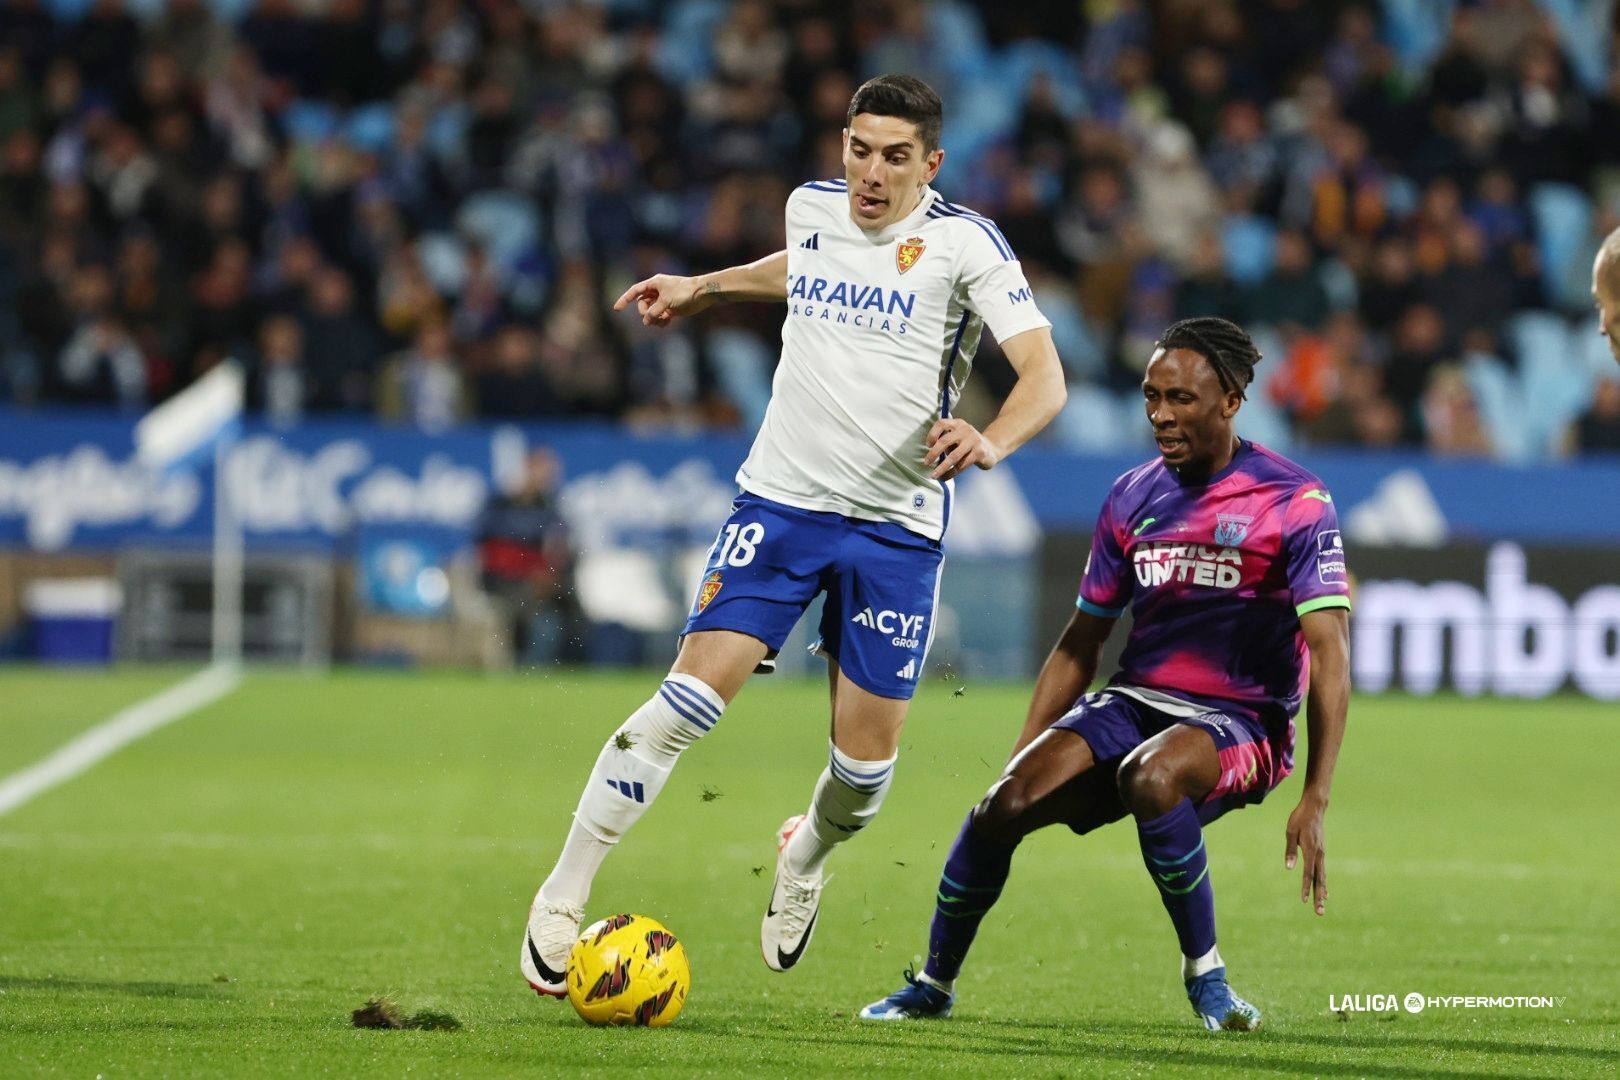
846, 491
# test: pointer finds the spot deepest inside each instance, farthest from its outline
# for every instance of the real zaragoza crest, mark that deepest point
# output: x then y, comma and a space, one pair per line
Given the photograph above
711, 587
1230, 529
907, 254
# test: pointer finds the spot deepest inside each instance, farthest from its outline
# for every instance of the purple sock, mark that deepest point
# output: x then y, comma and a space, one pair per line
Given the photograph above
1173, 847
975, 871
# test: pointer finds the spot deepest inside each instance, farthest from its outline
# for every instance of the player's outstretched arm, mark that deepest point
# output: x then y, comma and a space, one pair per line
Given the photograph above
660, 298
1327, 634
1069, 669
954, 444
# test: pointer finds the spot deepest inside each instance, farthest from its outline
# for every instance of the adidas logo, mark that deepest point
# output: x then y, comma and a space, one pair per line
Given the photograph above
907, 672
812, 244
630, 789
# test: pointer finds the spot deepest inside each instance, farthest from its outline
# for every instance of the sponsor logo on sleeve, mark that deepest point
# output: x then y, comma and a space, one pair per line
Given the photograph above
1330, 568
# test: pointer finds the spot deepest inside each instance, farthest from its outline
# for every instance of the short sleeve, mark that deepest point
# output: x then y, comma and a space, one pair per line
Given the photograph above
798, 214
994, 283
1105, 588
1317, 574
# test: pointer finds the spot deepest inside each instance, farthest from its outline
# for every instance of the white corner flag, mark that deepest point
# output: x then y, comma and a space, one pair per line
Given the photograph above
200, 421
182, 431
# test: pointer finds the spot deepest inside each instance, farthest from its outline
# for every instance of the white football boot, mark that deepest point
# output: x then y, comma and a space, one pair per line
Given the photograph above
790, 917
547, 940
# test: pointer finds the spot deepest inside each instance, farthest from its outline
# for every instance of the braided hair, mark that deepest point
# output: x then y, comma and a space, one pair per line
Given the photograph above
1226, 345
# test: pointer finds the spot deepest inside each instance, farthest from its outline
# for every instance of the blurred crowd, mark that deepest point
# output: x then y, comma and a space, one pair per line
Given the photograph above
423, 208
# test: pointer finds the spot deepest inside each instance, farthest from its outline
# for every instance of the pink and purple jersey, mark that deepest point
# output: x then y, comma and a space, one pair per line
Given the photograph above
1217, 576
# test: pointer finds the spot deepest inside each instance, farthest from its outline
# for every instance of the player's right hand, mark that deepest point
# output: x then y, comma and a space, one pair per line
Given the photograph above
1306, 846
663, 296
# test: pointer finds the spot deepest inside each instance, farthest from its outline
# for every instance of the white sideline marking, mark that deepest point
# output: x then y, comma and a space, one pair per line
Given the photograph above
117, 732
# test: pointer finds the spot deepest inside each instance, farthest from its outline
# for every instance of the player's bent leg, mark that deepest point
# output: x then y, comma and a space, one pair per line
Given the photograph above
1039, 788
847, 796
1053, 780
1161, 783
1022, 798
630, 771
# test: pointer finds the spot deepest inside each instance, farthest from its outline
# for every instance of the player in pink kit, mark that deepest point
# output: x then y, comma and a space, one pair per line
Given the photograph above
1230, 560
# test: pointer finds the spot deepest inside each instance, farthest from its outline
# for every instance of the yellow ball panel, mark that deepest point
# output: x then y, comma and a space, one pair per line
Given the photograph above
628, 969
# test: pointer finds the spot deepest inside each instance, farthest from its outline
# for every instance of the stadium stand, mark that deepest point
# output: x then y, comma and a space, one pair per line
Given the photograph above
421, 208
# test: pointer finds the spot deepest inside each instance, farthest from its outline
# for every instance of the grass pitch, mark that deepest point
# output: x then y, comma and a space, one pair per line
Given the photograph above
217, 899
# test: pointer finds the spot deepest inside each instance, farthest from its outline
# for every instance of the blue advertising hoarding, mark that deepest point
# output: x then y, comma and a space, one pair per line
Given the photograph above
70, 481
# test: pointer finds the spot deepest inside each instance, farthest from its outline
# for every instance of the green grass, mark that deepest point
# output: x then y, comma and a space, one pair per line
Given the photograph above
316, 840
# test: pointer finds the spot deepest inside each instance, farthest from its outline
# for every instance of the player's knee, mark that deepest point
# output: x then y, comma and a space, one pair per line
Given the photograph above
684, 709
1149, 784
999, 815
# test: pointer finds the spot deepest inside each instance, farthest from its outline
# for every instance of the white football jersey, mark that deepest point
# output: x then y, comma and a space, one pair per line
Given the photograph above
879, 338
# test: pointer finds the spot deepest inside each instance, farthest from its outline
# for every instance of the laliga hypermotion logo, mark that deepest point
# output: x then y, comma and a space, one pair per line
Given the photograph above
907, 254
710, 588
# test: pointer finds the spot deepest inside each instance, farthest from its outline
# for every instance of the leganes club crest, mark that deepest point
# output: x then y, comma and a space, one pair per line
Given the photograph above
710, 589
907, 254
1230, 529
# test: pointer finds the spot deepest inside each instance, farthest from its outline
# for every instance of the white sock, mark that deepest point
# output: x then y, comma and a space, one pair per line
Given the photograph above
847, 797
946, 985
628, 775
1194, 966
570, 880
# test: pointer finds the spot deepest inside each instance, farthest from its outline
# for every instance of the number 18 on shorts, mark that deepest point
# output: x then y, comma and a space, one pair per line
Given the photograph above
882, 584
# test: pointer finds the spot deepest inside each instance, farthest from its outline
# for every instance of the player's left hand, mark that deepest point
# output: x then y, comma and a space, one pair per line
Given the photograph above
1305, 844
954, 444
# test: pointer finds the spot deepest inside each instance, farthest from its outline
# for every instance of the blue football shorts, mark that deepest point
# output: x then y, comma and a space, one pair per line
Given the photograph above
882, 584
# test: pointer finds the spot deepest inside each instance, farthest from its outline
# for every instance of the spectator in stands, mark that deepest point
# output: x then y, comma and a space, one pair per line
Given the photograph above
1598, 429
1178, 200
279, 384
1361, 414
1417, 347
1392, 286
513, 386
102, 365
1470, 294
1496, 210
18, 103
481, 306
1451, 422
340, 345
1292, 294
151, 303
422, 386
527, 563
1207, 289
189, 30
345, 138
224, 313
1242, 158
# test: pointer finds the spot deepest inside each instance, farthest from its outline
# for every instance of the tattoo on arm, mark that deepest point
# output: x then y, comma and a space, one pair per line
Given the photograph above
711, 287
